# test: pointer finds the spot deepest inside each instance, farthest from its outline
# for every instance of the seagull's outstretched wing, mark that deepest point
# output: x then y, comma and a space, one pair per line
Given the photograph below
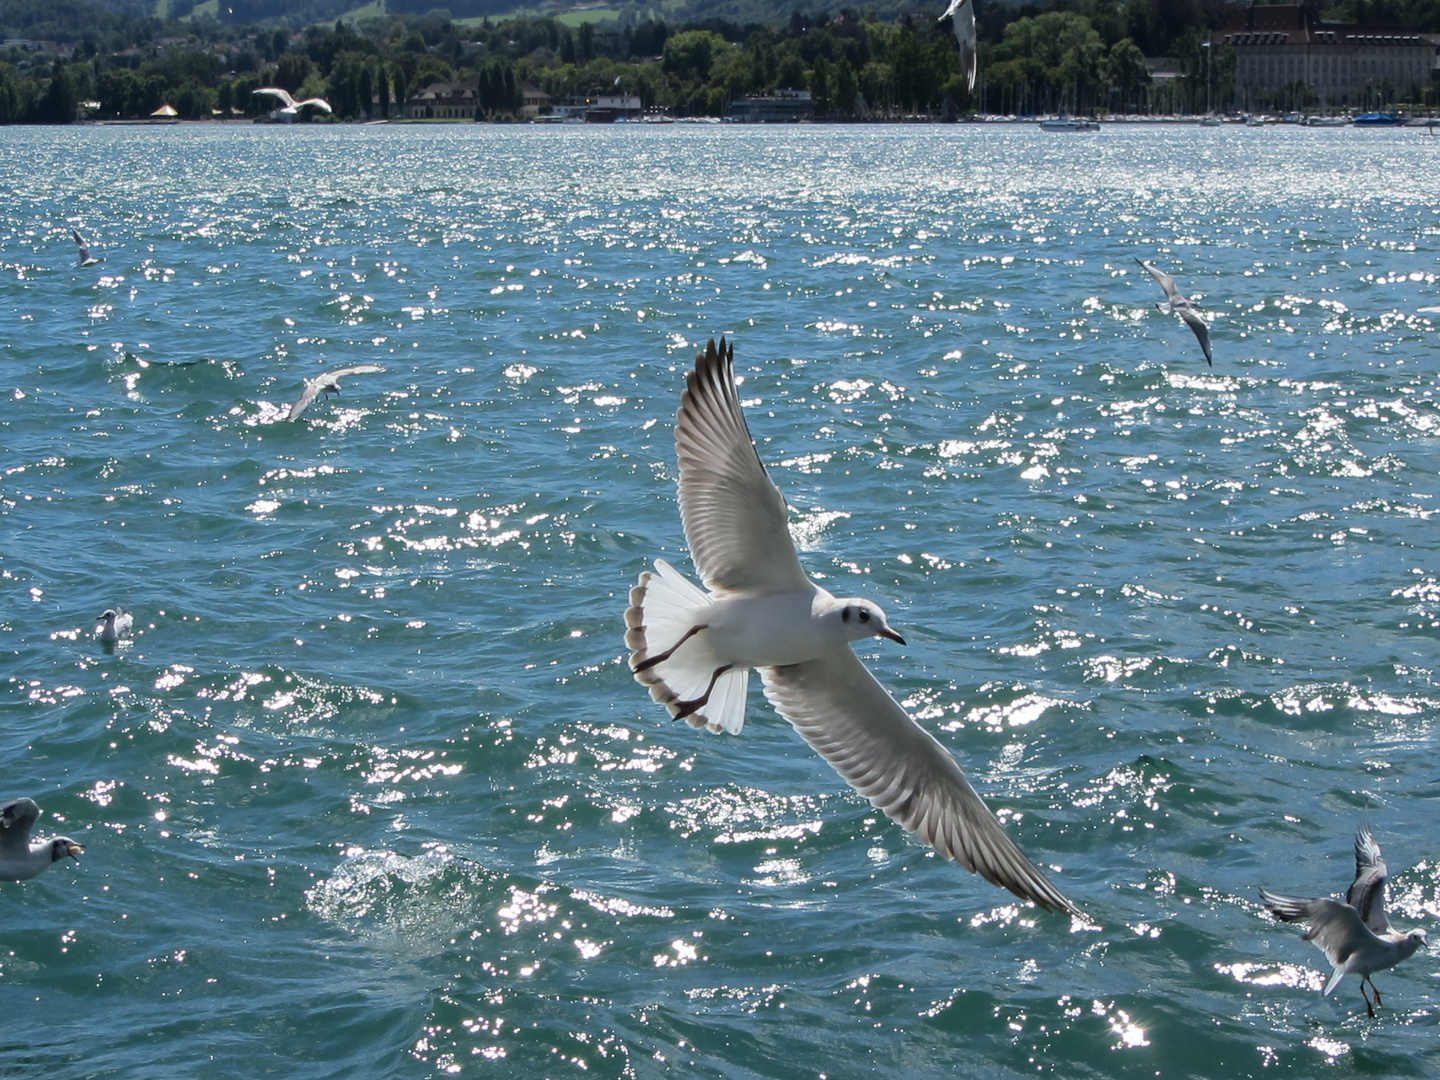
1181, 306
283, 96
319, 103
335, 376
1197, 324
309, 394
855, 725
962, 14
734, 515
1335, 928
1367, 894
17, 818
1165, 281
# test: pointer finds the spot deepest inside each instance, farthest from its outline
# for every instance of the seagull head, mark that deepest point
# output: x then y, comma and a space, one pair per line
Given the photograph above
108, 615
1418, 936
863, 618
62, 846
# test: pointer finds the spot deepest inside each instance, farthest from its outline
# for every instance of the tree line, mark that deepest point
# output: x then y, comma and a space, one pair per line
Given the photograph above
1080, 55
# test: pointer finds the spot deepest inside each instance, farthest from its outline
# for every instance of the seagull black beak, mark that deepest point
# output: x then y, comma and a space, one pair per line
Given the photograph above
892, 635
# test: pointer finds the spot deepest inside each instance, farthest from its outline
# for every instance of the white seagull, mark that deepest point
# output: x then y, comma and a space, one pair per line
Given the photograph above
962, 12
19, 858
85, 257
113, 626
694, 650
289, 108
327, 383
1355, 936
1177, 304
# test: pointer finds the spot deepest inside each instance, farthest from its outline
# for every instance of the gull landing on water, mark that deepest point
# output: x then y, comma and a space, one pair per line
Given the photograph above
113, 625
962, 12
327, 383
1355, 936
1177, 304
19, 858
694, 649
86, 259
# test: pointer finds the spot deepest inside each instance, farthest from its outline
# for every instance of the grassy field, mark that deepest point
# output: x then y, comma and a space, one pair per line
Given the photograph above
375, 9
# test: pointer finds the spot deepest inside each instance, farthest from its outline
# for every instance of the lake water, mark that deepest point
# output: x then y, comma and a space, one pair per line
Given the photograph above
372, 793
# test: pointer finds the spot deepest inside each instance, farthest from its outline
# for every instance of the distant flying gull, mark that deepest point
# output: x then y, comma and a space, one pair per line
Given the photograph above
962, 12
694, 650
289, 108
113, 626
327, 383
19, 858
1356, 936
1180, 306
84, 246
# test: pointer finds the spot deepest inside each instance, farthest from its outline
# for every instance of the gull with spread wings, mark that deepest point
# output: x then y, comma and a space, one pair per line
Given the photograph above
694, 649
1176, 303
287, 110
1355, 936
327, 383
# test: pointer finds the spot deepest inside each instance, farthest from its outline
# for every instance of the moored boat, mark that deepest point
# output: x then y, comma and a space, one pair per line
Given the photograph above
1069, 123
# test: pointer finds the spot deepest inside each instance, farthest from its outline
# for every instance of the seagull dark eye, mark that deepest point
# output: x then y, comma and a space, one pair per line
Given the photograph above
864, 615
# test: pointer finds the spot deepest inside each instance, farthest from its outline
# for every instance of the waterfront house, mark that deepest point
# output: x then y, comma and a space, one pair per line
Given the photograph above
444, 101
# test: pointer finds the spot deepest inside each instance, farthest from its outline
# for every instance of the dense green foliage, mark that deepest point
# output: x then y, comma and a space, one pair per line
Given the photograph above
109, 60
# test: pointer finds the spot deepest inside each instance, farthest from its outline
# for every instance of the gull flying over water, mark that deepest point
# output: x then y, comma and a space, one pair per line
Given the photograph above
327, 382
1355, 936
1179, 305
694, 650
962, 14
19, 857
289, 108
86, 259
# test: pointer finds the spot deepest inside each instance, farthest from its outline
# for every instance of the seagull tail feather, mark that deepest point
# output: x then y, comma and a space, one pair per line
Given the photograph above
665, 609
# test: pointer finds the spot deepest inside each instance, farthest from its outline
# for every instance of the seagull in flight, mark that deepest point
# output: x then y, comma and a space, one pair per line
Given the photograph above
289, 108
1355, 936
1177, 304
962, 12
694, 649
327, 383
86, 259
21, 859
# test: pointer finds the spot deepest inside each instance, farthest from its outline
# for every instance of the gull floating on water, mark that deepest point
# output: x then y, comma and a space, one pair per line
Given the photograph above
1179, 305
1355, 936
19, 858
695, 650
962, 12
327, 383
85, 257
289, 108
113, 626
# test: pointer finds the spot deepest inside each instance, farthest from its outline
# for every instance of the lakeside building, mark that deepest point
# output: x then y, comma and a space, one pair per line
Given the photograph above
534, 101
781, 107
1282, 48
444, 101
602, 109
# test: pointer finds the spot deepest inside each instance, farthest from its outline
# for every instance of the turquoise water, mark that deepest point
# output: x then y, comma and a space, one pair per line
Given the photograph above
372, 794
